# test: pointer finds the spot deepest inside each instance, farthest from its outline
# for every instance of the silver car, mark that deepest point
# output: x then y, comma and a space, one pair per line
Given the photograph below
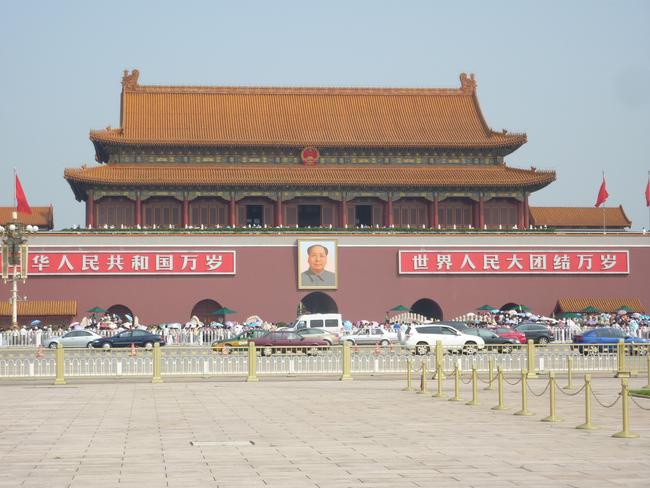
320, 334
74, 338
375, 335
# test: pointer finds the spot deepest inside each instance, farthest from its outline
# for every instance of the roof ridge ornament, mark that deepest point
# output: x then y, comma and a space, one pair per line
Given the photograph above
467, 83
130, 80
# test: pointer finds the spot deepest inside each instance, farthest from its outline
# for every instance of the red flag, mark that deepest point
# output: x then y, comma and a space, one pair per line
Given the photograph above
602, 194
21, 200
647, 194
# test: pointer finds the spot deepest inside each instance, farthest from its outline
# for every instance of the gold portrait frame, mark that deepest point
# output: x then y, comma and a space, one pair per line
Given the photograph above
307, 280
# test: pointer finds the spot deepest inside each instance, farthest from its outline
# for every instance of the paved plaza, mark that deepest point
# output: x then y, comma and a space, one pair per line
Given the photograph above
284, 432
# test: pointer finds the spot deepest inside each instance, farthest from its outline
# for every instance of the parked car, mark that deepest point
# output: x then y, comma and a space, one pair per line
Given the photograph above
74, 338
240, 341
289, 341
422, 339
539, 333
509, 333
502, 344
371, 336
605, 339
456, 324
327, 336
137, 337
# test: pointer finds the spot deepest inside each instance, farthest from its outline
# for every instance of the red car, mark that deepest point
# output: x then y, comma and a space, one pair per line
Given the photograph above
289, 341
510, 333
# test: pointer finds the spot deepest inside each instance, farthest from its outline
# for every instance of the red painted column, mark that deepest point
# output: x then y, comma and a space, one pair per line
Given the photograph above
436, 212
278, 211
232, 216
343, 213
186, 211
526, 212
430, 215
481, 212
389, 211
138, 209
520, 215
90, 210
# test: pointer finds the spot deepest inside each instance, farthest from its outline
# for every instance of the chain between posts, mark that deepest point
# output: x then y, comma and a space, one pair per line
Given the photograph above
542, 393
637, 404
572, 394
514, 383
618, 397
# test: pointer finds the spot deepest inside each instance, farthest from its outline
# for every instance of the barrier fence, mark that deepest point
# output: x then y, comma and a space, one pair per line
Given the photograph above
373, 360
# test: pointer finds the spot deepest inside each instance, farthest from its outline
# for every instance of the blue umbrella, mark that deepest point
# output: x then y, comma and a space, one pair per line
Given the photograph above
35, 322
128, 317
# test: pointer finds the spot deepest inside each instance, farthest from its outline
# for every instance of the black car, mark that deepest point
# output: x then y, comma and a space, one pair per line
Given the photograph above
504, 345
137, 337
539, 333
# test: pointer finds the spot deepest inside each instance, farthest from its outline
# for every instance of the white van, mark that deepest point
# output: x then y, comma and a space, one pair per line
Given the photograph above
331, 322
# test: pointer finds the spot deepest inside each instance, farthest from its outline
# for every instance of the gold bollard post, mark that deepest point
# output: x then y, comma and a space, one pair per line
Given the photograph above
252, 363
553, 414
569, 366
474, 400
439, 359
409, 367
440, 376
532, 362
456, 397
621, 370
587, 425
60, 365
490, 385
648, 371
423, 377
625, 433
524, 395
501, 405
157, 368
346, 375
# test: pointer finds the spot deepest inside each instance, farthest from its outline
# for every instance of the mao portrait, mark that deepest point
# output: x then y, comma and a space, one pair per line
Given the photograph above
317, 262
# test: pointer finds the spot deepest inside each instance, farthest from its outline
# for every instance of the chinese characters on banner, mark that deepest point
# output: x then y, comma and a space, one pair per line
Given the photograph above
132, 262
514, 262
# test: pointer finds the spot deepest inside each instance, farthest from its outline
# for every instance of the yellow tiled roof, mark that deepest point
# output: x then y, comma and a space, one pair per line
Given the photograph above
608, 305
143, 175
579, 217
41, 216
299, 117
36, 308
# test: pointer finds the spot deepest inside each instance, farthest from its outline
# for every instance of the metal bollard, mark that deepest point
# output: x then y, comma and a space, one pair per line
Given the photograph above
524, 395
569, 366
553, 414
648, 371
621, 369
474, 400
440, 376
625, 433
423, 377
439, 359
501, 405
60, 365
252, 363
587, 425
409, 367
490, 386
157, 378
532, 363
347, 362
456, 397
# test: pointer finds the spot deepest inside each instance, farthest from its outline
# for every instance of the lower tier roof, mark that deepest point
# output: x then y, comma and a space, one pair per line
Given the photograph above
325, 177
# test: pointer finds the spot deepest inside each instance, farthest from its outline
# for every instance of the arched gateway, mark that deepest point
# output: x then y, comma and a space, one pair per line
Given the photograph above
428, 308
204, 311
318, 302
121, 311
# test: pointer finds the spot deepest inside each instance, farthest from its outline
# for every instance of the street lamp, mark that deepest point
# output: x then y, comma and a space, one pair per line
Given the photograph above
15, 255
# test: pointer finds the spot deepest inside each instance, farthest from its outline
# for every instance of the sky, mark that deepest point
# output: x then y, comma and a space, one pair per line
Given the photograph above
573, 75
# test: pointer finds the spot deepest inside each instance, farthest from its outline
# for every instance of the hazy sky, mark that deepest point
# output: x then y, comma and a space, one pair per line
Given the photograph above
574, 75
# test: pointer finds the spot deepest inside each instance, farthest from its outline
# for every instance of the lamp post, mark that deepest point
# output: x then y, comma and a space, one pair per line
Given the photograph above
15, 255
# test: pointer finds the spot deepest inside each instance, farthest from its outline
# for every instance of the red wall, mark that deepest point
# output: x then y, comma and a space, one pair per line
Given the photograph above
369, 284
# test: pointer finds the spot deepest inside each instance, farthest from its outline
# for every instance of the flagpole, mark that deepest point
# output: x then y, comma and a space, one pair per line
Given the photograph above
14, 214
604, 231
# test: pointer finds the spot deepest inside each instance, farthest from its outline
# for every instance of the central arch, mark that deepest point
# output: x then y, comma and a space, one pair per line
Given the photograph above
318, 302
427, 307
121, 311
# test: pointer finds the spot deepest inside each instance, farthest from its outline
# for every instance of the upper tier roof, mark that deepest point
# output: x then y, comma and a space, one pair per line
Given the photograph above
299, 117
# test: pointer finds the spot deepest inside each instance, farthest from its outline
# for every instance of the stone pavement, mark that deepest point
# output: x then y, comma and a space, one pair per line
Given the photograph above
284, 432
